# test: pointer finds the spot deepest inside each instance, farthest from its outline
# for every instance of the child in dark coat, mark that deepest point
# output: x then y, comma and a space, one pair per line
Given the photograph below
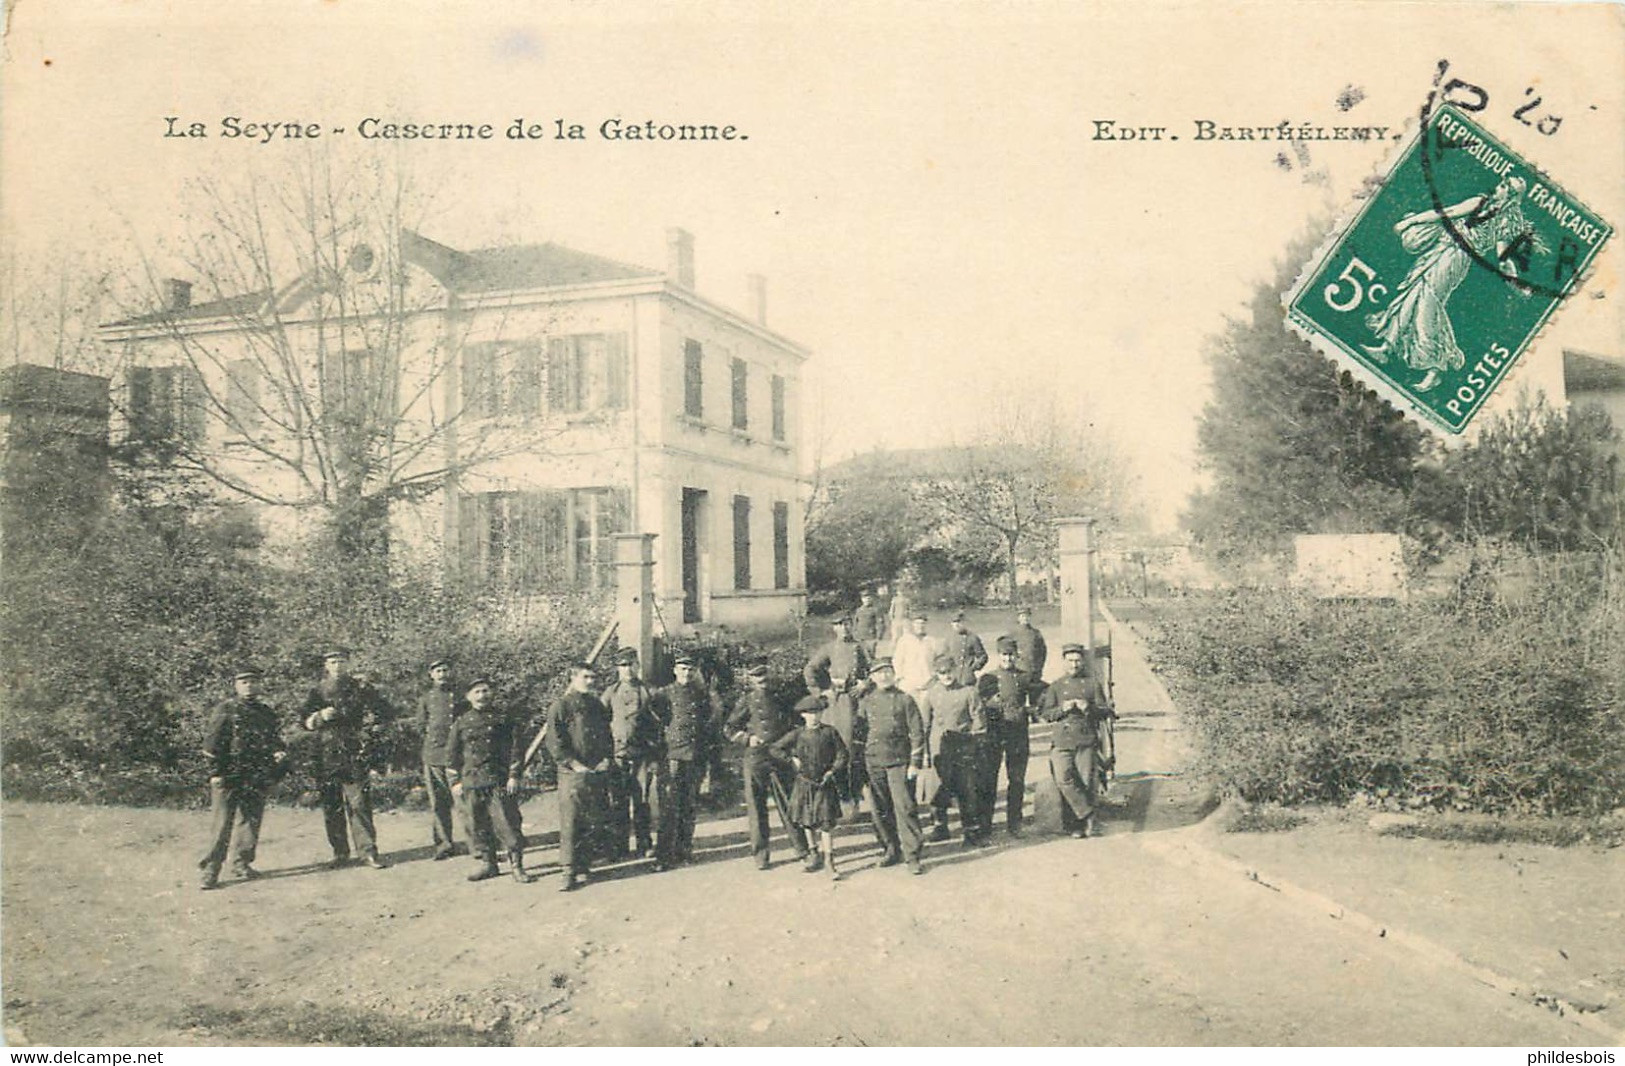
820, 757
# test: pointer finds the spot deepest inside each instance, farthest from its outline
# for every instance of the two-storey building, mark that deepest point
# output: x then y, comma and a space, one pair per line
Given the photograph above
568, 397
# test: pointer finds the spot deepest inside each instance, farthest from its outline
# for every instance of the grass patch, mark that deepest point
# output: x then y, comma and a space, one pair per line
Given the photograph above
1264, 819
1476, 829
328, 1027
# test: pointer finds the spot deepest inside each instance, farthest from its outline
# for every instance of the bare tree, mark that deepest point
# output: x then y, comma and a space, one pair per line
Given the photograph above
1030, 462
317, 348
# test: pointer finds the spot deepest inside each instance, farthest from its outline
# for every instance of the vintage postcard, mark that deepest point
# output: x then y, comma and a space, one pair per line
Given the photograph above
734, 523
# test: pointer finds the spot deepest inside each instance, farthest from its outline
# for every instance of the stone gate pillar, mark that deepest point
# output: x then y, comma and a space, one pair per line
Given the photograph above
1077, 557
634, 594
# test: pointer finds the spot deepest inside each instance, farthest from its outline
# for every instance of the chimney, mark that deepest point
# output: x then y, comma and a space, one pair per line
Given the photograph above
177, 294
680, 256
758, 297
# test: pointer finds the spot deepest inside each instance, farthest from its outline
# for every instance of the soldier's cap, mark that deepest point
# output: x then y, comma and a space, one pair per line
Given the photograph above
882, 664
944, 664
810, 705
757, 671
335, 651
626, 656
959, 616
477, 682
1008, 644
438, 663
1023, 609
919, 614
683, 660
1073, 649
581, 664
247, 672
840, 620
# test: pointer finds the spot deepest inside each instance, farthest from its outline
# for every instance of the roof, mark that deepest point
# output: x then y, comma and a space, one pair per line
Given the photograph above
509, 267
1583, 372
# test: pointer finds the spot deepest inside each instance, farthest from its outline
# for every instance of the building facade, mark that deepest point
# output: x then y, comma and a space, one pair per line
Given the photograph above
545, 400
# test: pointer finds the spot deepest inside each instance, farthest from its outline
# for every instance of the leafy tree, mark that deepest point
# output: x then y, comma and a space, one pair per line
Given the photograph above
1292, 444
862, 533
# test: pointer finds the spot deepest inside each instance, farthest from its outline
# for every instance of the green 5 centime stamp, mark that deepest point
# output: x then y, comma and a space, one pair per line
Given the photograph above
1445, 275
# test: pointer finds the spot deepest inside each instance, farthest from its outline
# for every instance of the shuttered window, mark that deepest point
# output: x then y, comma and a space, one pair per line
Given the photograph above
693, 380
741, 542
781, 545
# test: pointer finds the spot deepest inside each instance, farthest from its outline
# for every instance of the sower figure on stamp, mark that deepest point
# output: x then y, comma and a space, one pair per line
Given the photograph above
639, 773
818, 755
1010, 695
894, 749
245, 755
955, 723
436, 709
1078, 706
757, 724
485, 753
345, 714
693, 712
582, 744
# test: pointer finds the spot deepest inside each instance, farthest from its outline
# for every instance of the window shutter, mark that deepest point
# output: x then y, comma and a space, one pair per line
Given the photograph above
141, 403
693, 380
561, 387
617, 373
527, 381
781, 545
476, 387
741, 542
741, 395
778, 407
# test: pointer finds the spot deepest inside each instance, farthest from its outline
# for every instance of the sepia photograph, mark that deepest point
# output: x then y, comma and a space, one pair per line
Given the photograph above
895, 524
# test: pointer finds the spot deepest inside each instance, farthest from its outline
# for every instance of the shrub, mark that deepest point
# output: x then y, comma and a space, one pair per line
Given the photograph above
1473, 702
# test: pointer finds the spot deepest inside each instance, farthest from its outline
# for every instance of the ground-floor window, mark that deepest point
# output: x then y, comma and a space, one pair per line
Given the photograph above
781, 545
541, 540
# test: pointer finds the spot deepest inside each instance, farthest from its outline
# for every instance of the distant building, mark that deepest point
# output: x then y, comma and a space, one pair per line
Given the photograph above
53, 456
1598, 381
576, 398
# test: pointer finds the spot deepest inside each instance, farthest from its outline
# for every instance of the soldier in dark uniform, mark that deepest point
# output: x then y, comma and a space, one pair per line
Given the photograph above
757, 723
1078, 706
954, 720
435, 711
1010, 695
640, 757
485, 750
582, 745
869, 624
244, 752
1031, 652
693, 712
346, 714
894, 748
966, 647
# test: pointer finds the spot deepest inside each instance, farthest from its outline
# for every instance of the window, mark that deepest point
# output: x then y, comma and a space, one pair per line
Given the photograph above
502, 379
243, 402
541, 541
741, 380
741, 542
693, 380
781, 545
587, 372
166, 404
778, 407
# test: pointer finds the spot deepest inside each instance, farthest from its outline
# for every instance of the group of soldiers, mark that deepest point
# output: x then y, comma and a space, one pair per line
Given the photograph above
916, 733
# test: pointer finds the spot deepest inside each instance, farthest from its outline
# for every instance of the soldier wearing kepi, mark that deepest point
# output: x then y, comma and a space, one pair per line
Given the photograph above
954, 720
485, 751
436, 709
1078, 706
1010, 695
582, 744
894, 748
869, 624
640, 756
243, 748
346, 715
1031, 651
757, 723
693, 713
969, 654
841, 660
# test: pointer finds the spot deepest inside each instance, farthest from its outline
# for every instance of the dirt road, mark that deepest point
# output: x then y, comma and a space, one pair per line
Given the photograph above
1046, 940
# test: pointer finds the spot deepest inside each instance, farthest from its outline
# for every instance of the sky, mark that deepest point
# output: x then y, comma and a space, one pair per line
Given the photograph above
923, 185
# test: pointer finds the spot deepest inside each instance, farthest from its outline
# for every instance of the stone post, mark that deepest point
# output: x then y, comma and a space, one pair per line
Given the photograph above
634, 594
1077, 536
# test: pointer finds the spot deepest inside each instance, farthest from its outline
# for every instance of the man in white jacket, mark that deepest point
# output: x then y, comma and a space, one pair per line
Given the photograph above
913, 655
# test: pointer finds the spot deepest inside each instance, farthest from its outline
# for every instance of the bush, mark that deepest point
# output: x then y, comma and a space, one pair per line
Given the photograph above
1471, 702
